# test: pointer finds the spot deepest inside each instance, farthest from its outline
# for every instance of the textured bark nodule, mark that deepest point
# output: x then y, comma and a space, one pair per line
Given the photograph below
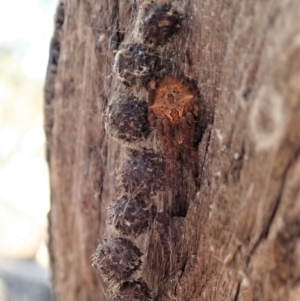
239, 235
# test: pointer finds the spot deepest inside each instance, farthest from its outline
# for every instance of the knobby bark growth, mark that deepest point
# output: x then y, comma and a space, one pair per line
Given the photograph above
240, 238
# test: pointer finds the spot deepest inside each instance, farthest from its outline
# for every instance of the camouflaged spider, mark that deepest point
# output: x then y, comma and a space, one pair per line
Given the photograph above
173, 108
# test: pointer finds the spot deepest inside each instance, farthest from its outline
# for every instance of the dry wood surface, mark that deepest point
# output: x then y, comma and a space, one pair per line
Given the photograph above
240, 237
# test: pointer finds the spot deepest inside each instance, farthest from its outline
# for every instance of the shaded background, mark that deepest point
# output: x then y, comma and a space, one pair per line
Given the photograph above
26, 28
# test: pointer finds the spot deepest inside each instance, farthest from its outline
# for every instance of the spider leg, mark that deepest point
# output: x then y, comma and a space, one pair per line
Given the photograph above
190, 71
192, 126
182, 132
162, 136
169, 139
152, 120
190, 150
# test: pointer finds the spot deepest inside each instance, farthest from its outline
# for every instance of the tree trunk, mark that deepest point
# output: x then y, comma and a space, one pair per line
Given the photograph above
240, 236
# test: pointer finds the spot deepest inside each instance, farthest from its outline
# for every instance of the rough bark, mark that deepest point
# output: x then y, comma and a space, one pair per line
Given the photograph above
240, 239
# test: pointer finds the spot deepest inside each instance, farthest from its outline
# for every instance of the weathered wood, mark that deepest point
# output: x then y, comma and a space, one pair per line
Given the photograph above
240, 239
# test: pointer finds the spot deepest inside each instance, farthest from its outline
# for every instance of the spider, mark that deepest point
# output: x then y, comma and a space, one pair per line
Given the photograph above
173, 108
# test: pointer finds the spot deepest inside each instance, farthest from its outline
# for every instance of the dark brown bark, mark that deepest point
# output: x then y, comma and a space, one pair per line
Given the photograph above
240, 238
